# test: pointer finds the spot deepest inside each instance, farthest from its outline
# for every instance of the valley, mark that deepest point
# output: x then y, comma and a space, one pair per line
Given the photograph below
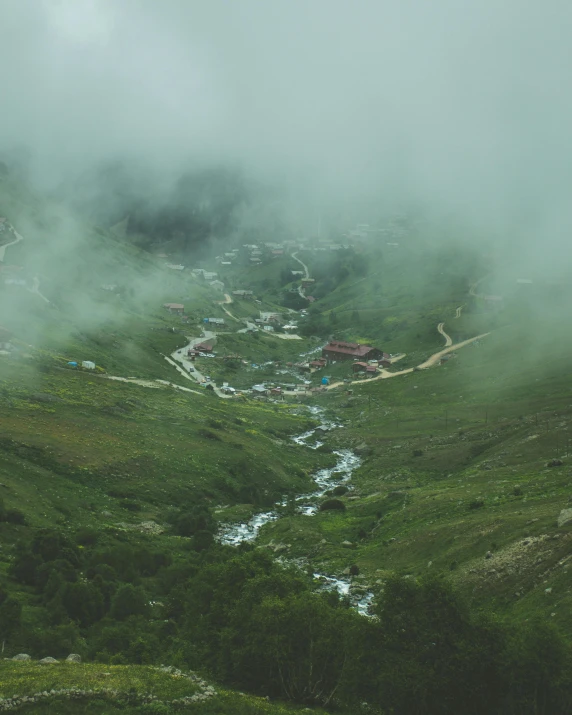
163, 450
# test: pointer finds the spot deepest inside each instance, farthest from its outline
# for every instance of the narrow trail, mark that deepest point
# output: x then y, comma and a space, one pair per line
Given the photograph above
301, 292
154, 384
441, 329
472, 289
5, 246
225, 302
304, 266
35, 289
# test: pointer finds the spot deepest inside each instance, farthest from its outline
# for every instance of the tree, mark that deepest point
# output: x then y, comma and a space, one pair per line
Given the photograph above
128, 601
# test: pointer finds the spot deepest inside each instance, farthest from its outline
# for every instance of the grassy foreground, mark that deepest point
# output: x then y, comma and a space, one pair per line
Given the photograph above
32, 687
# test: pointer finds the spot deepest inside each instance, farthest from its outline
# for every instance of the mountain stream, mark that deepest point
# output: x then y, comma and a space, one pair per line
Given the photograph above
325, 479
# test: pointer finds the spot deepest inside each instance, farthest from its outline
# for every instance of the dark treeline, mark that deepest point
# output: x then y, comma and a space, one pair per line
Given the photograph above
240, 617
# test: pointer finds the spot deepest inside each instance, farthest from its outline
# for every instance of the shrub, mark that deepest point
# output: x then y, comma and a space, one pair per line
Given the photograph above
476, 504
339, 491
332, 505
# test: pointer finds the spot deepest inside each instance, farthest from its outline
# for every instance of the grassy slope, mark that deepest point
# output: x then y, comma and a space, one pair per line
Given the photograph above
456, 467
133, 682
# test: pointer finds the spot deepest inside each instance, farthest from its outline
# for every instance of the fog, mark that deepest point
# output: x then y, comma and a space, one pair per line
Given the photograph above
462, 108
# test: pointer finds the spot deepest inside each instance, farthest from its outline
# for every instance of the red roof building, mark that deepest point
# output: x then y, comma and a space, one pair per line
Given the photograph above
359, 366
204, 348
339, 350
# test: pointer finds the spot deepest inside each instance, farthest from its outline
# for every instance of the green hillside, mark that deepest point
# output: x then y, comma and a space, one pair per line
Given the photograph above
114, 484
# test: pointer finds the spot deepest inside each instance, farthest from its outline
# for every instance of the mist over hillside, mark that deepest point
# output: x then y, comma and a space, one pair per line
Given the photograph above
285, 409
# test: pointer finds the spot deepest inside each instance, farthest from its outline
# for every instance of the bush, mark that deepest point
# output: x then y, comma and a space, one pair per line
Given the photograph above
339, 491
476, 504
332, 505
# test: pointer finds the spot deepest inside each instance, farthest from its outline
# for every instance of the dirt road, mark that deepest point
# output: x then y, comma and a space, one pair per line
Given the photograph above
225, 302
441, 329
155, 384
5, 246
301, 292
430, 362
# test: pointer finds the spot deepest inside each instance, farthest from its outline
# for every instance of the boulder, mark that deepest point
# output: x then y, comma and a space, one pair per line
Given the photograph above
489, 555
47, 660
348, 544
22, 656
73, 658
564, 517
363, 450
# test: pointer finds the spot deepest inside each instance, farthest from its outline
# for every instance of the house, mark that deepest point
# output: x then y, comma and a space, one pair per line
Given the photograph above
255, 261
243, 293
88, 365
269, 316
297, 273
204, 348
339, 350
277, 253
175, 267
268, 328
259, 390
217, 285
178, 308
307, 282
108, 286
318, 363
370, 370
214, 321
359, 367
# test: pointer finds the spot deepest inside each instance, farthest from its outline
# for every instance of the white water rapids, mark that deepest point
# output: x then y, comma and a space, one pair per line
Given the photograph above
325, 479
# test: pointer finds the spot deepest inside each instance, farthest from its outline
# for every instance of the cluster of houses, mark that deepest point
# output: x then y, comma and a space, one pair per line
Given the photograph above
209, 277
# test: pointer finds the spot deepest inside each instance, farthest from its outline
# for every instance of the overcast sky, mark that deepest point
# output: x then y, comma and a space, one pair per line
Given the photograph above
466, 104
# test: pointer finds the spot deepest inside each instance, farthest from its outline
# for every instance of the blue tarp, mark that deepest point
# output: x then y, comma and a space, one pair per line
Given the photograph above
74, 364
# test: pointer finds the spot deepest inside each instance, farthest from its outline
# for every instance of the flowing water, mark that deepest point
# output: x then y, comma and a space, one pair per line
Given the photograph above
325, 479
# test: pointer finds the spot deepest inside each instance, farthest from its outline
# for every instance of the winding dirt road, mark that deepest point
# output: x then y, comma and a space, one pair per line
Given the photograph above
225, 302
301, 292
5, 246
441, 329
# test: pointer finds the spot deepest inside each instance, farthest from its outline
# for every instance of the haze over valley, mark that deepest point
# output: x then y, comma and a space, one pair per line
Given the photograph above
285, 408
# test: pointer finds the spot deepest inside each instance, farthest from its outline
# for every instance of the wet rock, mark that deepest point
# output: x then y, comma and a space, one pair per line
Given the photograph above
47, 660
564, 517
363, 450
73, 658
22, 656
